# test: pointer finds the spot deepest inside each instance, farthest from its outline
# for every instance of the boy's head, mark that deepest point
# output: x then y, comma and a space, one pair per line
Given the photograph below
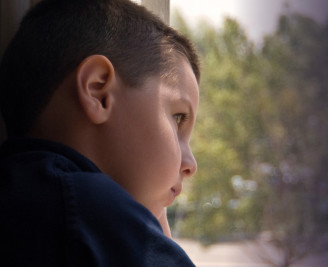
112, 81
56, 35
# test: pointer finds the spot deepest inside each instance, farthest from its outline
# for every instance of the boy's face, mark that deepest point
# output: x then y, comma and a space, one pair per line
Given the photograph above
147, 149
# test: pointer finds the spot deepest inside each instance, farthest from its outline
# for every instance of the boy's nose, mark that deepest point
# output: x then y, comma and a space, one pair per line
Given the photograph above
188, 163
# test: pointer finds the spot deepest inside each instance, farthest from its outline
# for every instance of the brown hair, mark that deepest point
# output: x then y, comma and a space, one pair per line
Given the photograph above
56, 35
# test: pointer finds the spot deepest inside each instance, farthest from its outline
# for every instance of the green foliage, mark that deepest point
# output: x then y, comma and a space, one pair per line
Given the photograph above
261, 135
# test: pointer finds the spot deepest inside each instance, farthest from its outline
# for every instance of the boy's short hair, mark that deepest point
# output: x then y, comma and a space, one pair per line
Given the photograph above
56, 35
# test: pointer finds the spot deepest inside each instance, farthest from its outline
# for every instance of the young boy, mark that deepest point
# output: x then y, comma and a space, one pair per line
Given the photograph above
99, 98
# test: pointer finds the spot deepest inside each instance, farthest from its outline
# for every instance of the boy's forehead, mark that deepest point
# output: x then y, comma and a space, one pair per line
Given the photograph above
183, 85
179, 72
178, 83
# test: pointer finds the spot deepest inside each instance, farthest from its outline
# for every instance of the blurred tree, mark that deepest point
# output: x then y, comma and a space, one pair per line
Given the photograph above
228, 132
296, 213
261, 137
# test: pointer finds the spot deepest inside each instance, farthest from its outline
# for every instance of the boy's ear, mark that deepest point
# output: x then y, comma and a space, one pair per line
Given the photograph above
94, 79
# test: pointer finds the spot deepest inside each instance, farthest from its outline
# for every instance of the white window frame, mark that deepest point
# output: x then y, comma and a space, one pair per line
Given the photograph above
160, 8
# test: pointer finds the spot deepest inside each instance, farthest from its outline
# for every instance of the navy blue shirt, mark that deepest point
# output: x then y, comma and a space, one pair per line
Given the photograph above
58, 209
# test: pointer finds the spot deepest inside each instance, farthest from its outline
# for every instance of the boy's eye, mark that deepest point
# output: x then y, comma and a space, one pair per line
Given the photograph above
180, 118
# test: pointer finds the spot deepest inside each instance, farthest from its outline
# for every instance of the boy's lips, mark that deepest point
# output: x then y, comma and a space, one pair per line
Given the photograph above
176, 190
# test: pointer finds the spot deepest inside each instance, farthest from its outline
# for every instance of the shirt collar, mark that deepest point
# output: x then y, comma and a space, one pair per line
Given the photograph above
19, 145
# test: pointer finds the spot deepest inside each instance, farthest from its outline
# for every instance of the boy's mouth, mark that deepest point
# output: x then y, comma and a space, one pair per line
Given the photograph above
176, 190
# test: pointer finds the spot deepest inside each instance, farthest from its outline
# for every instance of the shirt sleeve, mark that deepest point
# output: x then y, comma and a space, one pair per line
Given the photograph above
107, 227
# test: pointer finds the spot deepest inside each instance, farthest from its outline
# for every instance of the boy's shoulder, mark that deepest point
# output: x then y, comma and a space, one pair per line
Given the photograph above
51, 192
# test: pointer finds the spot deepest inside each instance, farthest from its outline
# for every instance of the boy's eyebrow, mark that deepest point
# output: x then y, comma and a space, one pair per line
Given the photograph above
187, 102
